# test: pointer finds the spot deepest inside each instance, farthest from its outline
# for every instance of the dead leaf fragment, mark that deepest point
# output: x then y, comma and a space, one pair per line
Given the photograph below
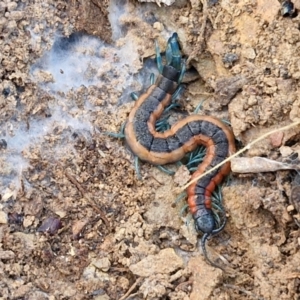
258, 164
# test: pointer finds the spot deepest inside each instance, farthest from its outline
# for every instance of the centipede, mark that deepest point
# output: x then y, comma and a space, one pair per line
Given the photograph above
160, 148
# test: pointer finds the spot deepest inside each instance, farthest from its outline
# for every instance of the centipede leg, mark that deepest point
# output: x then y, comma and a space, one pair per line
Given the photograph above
176, 93
158, 58
171, 106
188, 220
180, 197
226, 122
199, 107
165, 170
162, 125
203, 243
120, 134
183, 69
137, 167
134, 96
173, 54
183, 210
218, 230
195, 158
152, 79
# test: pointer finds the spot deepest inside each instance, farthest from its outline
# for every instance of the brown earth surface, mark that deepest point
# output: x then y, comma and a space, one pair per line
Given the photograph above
75, 221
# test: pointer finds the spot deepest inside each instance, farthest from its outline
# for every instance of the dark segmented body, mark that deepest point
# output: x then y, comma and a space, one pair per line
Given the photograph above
170, 146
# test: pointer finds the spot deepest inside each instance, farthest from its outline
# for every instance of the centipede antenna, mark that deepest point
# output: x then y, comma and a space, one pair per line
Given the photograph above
158, 58
165, 170
137, 167
152, 79
203, 243
134, 96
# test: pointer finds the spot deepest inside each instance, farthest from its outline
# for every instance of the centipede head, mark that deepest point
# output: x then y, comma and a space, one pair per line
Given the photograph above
204, 222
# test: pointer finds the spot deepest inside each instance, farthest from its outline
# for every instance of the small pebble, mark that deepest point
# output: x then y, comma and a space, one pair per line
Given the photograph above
3, 217
50, 225
102, 264
159, 26
276, 139
290, 208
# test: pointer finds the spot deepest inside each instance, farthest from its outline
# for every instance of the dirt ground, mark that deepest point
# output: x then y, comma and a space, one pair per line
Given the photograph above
75, 221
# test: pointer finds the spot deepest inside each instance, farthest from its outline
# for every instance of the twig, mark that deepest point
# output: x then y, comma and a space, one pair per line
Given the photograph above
131, 289
75, 182
239, 152
86, 196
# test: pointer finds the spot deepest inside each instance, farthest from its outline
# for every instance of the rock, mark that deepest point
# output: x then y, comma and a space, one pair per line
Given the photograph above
7, 254
227, 88
3, 217
267, 9
249, 53
159, 26
205, 279
102, 264
165, 262
276, 139
102, 297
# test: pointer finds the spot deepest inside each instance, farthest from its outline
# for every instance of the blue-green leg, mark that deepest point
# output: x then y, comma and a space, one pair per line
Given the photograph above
198, 107
120, 134
176, 93
165, 170
158, 58
152, 79
137, 167
188, 220
182, 72
173, 54
180, 197
134, 96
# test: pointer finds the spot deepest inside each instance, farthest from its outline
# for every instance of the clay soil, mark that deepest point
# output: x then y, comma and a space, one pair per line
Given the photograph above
75, 220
